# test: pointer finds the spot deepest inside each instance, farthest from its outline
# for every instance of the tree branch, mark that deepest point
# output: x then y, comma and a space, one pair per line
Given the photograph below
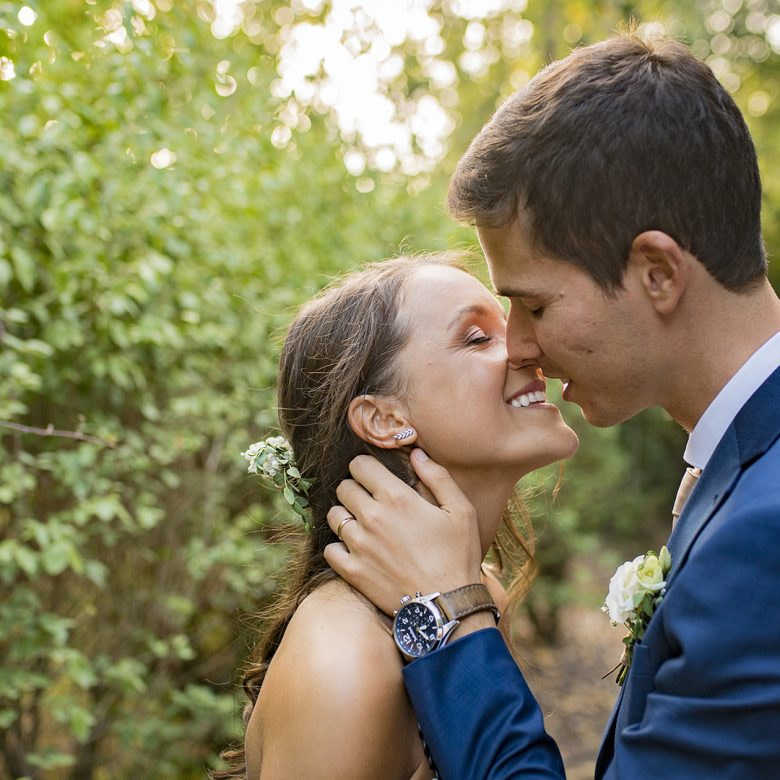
50, 430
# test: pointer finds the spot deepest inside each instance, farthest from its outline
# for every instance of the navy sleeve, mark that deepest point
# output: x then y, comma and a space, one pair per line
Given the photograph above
477, 714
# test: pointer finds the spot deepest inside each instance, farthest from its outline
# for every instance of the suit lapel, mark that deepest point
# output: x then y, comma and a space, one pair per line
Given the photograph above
711, 489
607, 749
754, 430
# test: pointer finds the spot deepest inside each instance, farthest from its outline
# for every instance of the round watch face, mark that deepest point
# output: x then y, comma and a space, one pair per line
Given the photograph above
416, 629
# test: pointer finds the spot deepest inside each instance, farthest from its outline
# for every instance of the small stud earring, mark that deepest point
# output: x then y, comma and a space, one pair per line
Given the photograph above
404, 434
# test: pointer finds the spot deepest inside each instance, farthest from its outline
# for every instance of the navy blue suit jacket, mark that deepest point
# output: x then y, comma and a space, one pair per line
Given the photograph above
702, 698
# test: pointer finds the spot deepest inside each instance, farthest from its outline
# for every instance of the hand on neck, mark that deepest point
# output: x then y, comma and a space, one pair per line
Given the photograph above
488, 491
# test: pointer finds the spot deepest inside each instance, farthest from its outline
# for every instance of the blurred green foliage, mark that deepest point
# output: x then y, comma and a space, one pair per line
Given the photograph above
163, 210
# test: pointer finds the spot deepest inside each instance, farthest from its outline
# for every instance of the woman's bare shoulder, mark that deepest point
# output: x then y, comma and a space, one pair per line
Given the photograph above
333, 702
335, 634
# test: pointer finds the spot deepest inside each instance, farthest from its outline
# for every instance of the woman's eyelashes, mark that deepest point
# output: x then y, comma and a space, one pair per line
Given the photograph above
477, 336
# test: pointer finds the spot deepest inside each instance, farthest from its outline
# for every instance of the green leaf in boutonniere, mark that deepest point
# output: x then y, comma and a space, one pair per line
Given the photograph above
635, 591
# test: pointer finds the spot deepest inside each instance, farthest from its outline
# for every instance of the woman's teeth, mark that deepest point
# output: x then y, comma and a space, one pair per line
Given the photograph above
528, 399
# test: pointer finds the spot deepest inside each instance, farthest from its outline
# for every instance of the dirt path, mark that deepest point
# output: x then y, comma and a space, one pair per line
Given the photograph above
566, 679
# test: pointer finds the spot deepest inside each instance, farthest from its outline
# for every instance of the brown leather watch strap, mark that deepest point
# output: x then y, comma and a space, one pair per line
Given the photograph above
465, 601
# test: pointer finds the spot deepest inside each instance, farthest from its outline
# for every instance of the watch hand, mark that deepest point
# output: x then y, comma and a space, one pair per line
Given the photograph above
422, 634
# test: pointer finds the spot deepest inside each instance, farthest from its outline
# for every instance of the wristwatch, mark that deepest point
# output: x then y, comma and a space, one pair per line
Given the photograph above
424, 623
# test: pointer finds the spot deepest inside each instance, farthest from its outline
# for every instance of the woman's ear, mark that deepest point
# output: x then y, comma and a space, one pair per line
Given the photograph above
378, 420
662, 268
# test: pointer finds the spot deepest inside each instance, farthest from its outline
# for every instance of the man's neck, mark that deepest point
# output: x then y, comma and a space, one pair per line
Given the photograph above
713, 354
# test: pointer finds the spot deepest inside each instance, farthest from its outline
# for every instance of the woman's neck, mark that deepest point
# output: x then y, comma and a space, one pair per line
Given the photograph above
488, 493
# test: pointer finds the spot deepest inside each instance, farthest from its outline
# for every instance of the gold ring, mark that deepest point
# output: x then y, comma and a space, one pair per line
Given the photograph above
342, 524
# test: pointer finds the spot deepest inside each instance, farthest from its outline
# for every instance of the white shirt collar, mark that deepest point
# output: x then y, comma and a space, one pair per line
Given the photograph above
724, 408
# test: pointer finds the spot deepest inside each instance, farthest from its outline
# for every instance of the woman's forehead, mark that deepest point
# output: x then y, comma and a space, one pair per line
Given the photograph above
434, 287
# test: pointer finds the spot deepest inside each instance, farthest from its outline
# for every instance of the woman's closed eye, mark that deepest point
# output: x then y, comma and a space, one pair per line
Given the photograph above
477, 336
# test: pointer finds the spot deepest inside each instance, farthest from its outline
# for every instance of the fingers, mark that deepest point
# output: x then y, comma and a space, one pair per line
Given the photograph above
438, 480
376, 479
386, 596
337, 556
347, 519
343, 523
357, 500
339, 559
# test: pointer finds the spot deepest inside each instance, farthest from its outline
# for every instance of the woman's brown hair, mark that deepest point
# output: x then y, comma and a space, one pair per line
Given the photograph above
342, 344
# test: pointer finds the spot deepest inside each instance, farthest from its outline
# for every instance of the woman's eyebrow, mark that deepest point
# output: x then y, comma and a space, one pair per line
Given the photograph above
474, 308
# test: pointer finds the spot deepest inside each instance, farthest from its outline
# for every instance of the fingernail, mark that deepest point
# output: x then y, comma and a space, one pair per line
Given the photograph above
419, 455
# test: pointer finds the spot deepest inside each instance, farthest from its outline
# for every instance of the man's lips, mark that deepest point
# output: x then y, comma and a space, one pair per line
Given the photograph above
564, 380
532, 393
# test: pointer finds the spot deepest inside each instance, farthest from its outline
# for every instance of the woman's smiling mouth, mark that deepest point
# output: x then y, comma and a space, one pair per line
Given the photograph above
532, 393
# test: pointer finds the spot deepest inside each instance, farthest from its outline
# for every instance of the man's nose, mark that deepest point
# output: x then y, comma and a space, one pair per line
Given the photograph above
521, 344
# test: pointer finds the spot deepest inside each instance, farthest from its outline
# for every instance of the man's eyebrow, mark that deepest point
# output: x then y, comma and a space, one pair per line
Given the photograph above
462, 311
517, 292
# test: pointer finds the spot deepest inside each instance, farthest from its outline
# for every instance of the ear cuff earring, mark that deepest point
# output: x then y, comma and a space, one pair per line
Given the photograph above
404, 434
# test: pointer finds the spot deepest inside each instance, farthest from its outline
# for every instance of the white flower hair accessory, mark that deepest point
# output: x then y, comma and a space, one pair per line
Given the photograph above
273, 459
636, 590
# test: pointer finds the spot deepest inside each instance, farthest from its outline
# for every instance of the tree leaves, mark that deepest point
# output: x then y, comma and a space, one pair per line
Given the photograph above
145, 307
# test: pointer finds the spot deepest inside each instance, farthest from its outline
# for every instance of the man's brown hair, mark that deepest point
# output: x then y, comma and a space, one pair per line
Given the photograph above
617, 138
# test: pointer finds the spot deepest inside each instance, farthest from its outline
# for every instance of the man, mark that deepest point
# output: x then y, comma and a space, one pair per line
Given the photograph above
617, 200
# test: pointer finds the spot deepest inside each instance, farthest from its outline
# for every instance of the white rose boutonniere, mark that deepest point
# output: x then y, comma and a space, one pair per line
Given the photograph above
635, 591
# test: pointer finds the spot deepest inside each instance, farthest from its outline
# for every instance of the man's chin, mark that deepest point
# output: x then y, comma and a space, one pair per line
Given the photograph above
597, 411
600, 417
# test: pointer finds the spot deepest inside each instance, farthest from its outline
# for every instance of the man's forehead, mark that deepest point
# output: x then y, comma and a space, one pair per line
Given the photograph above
518, 279
516, 269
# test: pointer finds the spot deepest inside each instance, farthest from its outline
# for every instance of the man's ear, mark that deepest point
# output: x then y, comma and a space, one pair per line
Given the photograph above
378, 420
662, 268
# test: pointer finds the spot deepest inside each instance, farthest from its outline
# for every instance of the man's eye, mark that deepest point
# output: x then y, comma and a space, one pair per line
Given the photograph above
536, 313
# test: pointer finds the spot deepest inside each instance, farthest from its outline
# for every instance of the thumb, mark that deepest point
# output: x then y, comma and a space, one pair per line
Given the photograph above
438, 480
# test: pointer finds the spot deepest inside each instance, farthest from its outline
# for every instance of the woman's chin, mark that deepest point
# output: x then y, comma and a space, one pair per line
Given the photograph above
553, 451
572, 446
552, 448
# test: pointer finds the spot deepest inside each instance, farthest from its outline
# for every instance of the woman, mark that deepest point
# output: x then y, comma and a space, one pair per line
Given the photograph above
406, 352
